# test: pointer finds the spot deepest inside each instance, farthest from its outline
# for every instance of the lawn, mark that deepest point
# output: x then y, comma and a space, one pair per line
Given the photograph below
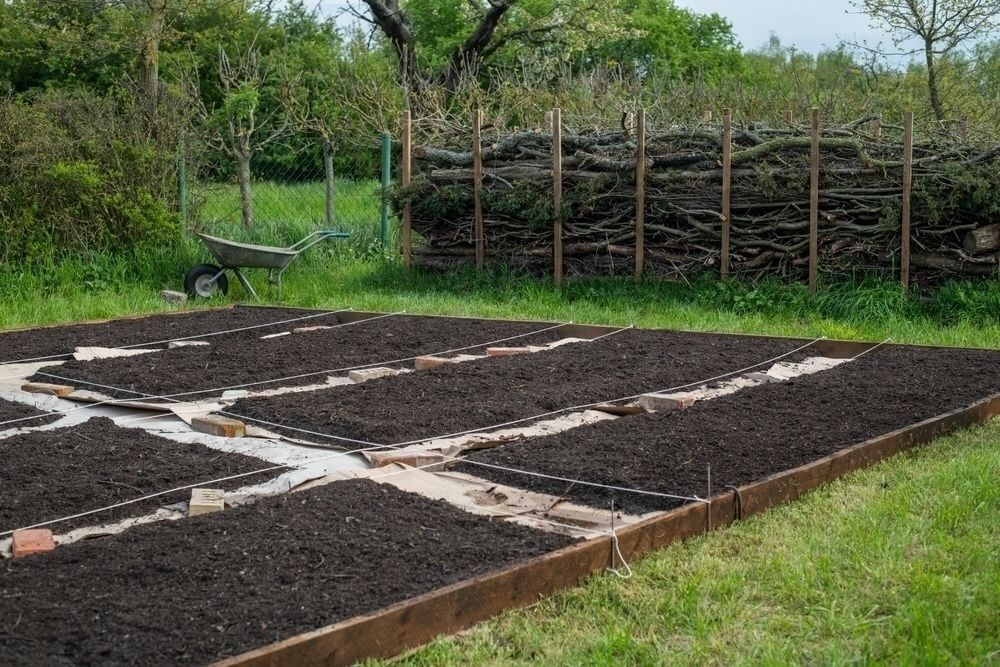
894, 564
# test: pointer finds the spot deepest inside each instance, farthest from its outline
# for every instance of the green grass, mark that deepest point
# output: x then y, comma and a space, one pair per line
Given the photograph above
966, 314
896, 564
286, 212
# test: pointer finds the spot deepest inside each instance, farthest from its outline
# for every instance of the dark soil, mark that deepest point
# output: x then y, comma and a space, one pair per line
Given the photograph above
483, 393
197, 590
50, 474
13, 410
61, 340
233, 362
751, 434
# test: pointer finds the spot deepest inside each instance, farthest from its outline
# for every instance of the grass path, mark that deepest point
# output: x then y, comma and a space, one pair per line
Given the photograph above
896, 564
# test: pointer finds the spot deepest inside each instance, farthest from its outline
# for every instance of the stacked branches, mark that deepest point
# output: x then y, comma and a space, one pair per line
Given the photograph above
955, 198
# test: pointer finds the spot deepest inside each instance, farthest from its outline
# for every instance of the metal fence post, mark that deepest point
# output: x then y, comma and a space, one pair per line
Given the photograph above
182, 180
383, 230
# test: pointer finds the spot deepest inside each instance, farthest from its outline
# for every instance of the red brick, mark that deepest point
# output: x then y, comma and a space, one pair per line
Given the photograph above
32, 541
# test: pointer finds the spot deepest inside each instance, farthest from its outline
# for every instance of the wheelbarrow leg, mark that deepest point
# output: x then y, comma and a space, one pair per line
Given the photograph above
246, 283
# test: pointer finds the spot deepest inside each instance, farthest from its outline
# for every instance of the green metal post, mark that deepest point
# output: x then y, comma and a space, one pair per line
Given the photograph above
383, 233
182, 180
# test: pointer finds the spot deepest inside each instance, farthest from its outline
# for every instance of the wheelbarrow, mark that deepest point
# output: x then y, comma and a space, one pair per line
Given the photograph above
206, 280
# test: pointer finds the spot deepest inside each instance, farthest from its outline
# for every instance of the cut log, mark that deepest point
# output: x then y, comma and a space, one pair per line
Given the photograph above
984, 239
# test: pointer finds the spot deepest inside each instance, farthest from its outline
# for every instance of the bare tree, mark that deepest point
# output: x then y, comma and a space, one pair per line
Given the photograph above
489, 34
941, 26
244, 126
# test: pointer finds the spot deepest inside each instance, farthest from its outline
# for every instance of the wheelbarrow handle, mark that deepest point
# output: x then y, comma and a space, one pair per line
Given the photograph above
316, 237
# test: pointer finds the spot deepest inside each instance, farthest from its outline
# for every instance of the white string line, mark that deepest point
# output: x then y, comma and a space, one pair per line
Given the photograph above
358, 451
531, 473
861, 354
114, 401
198, 336
353, 368
169, 397
372, 445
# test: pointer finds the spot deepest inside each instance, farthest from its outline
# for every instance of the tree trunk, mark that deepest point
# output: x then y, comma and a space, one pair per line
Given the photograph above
932, 83
149, 58
246, 195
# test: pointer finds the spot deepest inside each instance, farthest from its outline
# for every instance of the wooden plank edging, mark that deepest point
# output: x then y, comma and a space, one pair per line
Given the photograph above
390, 631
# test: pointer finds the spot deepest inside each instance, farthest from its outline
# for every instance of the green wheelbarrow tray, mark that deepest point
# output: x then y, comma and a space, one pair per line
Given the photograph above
205, 280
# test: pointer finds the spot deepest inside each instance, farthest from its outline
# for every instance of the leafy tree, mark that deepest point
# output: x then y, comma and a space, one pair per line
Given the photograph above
672, 40
443, 41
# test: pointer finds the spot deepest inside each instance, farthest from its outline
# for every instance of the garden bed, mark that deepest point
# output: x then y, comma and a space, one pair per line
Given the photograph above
50, 474
194, 591
52, 341
234, 362
10, 410
492, 391
748, 435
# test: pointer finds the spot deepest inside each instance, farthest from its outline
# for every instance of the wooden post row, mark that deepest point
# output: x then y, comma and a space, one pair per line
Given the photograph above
904, 215
814, 203
406, 177
727, 173
557, 249
477, 178
640, 190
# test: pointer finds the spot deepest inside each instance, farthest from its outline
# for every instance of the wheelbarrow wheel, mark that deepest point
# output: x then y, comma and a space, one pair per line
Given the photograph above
199, 284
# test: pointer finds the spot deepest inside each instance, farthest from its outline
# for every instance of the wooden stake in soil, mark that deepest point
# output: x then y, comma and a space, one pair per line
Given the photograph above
477, 181
727, 171
904, 215
707, 116
405, 179
557, 249
814, 203
640, 189
789, 117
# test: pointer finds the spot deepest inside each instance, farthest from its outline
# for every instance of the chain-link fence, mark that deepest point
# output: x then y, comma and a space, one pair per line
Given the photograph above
280, 195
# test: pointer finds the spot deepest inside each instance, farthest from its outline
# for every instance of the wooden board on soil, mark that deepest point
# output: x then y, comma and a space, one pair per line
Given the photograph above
748, 435
495, 390
51, 474
200, 589
238, 361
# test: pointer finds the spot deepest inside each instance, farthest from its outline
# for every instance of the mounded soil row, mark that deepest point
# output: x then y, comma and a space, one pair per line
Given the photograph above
748, 435
492, 391
50, 474
61, 340
237, 361
204, 588
13, 410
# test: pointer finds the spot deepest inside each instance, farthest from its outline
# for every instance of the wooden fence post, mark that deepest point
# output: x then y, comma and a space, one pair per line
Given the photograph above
477, 180
727, 174
790, 117
406, 177
706, 117
904, 254
557, 249
640, 190
814, 203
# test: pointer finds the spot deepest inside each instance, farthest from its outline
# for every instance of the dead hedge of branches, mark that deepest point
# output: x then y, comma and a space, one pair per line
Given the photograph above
955, 201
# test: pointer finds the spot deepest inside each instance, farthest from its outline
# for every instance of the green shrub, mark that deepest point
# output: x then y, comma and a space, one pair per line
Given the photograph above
82, 173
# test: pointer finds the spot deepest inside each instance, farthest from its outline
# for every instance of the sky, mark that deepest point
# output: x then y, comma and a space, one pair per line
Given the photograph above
809, 25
